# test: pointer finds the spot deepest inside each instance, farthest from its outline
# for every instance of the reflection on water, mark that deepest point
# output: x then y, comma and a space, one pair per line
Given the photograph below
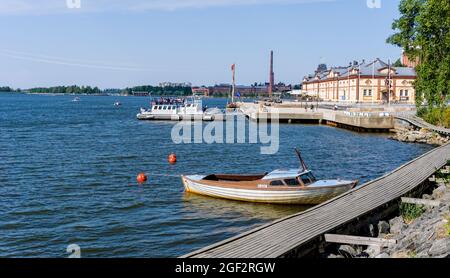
204, 206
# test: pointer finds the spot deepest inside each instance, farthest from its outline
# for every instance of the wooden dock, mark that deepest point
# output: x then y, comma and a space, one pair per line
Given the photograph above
420, 123
289, 235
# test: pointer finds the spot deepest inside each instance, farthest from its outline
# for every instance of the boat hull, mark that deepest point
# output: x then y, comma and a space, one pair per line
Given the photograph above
298, 196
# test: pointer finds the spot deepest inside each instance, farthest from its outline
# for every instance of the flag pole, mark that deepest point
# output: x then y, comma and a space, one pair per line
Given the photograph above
373, 78
389, 82
233, 86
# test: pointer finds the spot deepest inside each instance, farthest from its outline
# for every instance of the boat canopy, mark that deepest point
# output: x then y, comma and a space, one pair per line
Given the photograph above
284, 174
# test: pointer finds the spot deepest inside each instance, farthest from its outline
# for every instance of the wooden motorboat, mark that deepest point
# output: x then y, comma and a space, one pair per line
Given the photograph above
293, 186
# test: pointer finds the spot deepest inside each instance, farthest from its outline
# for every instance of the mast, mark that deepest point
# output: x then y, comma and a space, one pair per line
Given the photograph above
302, 162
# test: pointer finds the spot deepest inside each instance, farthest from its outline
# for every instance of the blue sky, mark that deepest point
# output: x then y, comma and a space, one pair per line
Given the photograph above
118, 43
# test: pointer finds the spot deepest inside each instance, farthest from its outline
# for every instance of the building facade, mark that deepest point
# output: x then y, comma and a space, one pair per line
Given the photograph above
374, 82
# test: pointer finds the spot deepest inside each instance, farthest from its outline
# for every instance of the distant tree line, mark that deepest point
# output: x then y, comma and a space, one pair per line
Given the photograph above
160, 91
6, 89
87, 90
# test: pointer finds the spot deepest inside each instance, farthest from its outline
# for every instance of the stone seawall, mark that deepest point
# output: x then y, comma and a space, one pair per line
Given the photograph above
410, 135
427, 236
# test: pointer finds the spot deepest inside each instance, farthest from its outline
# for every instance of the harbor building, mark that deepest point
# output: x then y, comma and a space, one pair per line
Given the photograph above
254, 90
362, 82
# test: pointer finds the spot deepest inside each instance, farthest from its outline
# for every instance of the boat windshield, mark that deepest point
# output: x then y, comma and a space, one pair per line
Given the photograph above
307, 178
292, 182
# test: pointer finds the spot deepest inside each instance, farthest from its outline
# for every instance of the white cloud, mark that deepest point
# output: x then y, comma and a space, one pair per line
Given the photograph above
17, 7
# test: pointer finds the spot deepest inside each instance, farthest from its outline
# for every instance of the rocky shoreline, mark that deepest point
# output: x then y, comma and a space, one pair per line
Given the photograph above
427, 236
424, 136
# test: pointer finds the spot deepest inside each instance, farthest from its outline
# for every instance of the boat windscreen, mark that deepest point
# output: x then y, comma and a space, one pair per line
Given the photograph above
307, 178
291, 182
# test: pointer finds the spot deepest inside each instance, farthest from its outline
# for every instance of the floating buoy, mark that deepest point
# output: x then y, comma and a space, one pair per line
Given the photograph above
141, 178
172, 158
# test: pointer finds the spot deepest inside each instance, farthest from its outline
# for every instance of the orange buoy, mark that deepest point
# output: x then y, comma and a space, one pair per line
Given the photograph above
141, 178
172, 158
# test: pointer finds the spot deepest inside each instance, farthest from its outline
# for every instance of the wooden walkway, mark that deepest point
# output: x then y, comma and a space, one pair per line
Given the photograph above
280, 237
420, 123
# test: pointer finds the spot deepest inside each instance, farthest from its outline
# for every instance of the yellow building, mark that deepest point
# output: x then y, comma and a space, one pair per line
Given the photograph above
375, 82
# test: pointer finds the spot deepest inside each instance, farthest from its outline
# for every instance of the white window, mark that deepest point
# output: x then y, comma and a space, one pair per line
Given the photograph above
406, 93
401, 93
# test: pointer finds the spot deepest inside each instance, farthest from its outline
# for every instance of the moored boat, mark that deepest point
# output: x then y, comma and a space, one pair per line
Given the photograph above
293, 186
190, 109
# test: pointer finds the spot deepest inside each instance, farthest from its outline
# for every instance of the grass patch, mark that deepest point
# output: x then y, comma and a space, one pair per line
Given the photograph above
412, 254
409, 212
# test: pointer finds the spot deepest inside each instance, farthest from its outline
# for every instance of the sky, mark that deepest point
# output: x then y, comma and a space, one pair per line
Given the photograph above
120, 43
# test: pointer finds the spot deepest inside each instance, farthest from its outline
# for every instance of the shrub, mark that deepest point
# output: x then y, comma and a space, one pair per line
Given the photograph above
446, 118
435, 116
410, 212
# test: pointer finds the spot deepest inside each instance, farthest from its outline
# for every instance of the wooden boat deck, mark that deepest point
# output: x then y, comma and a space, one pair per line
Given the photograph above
280, 237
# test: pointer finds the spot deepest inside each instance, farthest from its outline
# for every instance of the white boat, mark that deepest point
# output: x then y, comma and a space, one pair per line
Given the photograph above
192, 109
75, 99
291, 186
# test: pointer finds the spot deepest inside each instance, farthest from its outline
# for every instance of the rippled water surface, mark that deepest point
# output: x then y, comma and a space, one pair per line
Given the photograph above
67, 175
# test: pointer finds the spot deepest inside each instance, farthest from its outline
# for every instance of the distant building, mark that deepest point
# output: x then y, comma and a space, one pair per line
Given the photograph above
172, 84
140, 94
248, 91
376, 81
407, 62
203, 91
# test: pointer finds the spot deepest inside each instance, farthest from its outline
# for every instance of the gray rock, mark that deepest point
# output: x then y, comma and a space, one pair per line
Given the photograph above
382, 256
334, 256
381, 235
396, 225
347, 251
383, 227
372, 231
422, 254
373, 251
440, 247
410, 241
427, 197
439, 192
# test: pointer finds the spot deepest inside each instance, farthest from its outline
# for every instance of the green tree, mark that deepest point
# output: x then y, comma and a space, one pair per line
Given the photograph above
423, 31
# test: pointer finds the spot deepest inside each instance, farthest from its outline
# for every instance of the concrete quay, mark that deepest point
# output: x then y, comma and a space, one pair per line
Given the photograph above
371, 120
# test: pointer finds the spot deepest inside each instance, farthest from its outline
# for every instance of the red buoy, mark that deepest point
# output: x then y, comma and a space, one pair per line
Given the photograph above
141, 178
172, 158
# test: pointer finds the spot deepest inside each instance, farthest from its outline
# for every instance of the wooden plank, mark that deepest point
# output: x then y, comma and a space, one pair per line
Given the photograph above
430, 203
359, 240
